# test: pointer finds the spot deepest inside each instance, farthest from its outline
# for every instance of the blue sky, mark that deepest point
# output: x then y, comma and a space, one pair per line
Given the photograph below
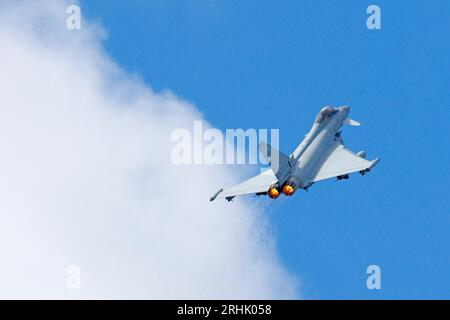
267, 64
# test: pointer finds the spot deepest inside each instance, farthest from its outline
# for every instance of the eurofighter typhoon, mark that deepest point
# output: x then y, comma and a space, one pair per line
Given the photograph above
321, 155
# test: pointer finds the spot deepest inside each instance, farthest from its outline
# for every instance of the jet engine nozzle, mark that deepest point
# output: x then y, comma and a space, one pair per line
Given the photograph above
289, 187
288, 190
273, 192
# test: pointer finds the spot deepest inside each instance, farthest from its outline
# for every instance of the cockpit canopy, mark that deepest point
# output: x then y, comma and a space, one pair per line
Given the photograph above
324, 114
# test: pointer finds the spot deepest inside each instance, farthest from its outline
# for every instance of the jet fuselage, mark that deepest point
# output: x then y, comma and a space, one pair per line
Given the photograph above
317, 145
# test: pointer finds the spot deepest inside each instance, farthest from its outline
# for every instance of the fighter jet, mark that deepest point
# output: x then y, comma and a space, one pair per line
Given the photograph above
321, 155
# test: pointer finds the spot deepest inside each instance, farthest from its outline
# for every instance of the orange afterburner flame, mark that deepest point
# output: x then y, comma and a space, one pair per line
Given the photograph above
288, 190
273, 193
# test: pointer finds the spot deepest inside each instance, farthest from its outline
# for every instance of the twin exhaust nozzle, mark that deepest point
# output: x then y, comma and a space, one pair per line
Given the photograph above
288, 189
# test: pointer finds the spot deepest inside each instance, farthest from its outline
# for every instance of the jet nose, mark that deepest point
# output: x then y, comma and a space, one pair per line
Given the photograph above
345, 110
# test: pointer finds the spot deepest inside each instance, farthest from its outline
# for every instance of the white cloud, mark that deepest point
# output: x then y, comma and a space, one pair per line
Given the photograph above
86, 179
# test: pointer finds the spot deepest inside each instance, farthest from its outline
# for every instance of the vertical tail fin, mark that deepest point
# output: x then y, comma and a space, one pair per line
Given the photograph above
279, 162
